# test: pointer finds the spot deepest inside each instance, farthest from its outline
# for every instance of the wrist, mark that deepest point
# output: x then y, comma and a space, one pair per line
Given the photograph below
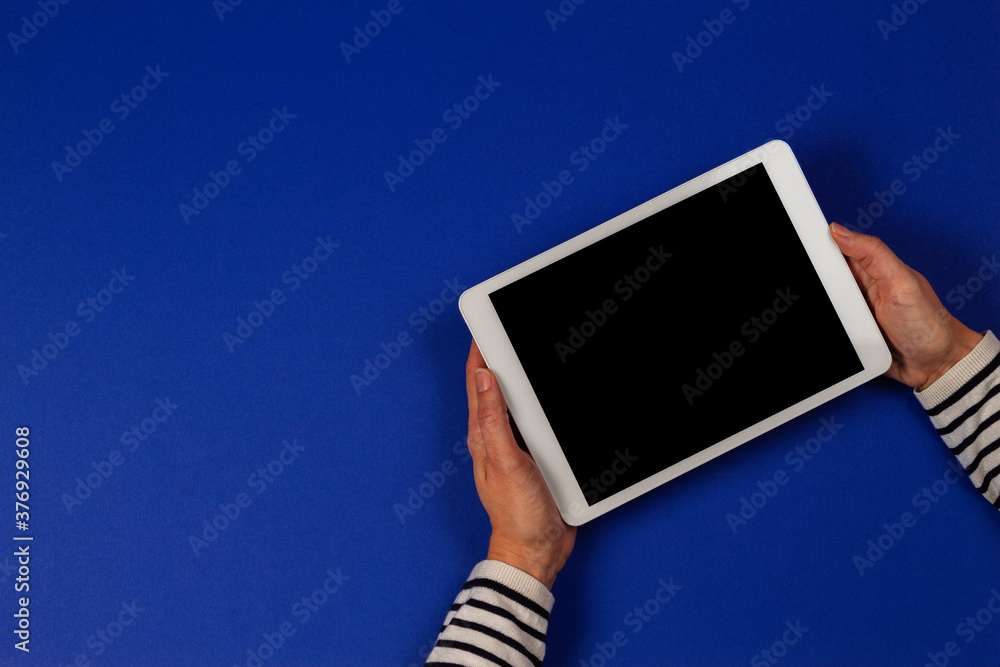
542, 566
965, 340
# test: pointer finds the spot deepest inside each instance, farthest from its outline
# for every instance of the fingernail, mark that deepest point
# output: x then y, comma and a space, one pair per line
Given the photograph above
483, 380
840, 230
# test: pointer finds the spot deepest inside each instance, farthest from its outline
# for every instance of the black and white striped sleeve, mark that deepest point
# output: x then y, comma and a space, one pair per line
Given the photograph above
499, 618
964, 406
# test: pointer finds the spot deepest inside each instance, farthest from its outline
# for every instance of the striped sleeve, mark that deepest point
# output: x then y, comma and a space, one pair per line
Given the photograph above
964, 406
499, 618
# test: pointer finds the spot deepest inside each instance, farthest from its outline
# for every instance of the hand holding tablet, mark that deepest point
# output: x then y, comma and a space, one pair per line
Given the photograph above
675, 332
528, 531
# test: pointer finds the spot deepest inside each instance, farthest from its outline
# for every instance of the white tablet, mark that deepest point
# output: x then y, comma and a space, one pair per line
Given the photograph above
675, 332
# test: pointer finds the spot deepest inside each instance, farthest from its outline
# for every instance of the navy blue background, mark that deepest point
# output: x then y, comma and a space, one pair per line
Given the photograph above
323, 176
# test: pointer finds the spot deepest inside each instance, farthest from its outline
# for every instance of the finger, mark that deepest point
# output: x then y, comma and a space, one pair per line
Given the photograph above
475, 439
501, 449
475, 356
474, 362
867, 284
872, 255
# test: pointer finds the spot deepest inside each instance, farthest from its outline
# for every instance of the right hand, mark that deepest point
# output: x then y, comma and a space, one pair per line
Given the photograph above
925, 339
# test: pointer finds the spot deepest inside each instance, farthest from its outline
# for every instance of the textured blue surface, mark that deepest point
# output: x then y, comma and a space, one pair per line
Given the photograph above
360, 452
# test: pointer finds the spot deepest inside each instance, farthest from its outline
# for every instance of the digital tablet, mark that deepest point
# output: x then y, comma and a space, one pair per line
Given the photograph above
675, 332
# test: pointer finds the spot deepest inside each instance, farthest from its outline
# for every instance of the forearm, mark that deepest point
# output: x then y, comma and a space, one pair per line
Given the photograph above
964, 406
500, 617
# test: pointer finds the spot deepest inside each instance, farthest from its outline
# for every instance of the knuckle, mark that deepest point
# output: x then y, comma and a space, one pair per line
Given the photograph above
879, 247
491, 416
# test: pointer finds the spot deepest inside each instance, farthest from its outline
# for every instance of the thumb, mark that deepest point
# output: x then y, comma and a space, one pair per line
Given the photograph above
871, 254
501, 448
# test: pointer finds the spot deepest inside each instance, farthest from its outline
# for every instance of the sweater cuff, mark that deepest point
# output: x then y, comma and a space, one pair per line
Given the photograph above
946, 385
516, 579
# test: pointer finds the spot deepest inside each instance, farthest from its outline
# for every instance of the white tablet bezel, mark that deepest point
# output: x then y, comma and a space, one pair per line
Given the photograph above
812, 228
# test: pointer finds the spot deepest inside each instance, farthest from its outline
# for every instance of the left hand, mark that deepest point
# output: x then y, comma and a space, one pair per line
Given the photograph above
528, 531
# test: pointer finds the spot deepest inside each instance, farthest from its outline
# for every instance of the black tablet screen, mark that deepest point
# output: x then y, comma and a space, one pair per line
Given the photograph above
675, 333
